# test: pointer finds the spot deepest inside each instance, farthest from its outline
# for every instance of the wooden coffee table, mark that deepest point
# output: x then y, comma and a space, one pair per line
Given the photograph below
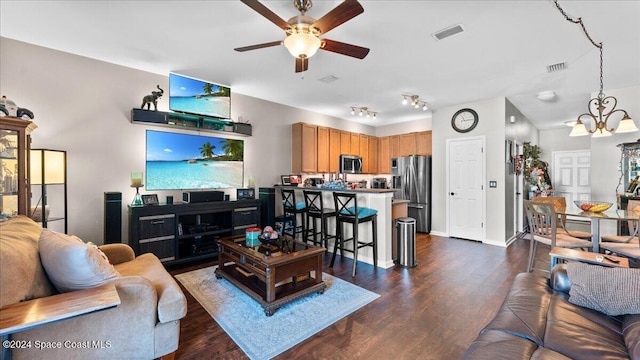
558, 253
273, 280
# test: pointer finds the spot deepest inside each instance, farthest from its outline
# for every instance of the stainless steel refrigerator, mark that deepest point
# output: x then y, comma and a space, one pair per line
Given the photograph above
412, 181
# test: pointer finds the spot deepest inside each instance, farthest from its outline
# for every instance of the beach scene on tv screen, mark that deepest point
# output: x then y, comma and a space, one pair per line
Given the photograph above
194, 96
184, 161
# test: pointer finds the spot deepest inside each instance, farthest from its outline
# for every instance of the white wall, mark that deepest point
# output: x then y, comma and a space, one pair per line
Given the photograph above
491, 124
403, 128
83, 106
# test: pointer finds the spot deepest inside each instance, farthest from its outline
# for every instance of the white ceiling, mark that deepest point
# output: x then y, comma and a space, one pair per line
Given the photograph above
503, 51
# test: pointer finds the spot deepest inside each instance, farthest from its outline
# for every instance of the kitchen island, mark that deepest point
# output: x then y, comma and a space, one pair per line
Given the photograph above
378, 199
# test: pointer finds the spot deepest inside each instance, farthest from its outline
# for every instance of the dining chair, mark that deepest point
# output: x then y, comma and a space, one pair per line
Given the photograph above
560, 205
632, 205
543, 228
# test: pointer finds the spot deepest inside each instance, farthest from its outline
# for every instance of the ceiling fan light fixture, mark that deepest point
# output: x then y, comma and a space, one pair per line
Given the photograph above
302, 44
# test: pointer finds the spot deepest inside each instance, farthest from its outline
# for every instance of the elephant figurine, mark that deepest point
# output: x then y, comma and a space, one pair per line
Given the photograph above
152, 99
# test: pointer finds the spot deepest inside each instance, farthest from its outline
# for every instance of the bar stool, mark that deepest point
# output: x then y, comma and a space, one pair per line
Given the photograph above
317, 211
347, 211
291, 209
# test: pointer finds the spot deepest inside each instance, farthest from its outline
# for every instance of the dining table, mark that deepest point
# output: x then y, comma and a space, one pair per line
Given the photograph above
596, 217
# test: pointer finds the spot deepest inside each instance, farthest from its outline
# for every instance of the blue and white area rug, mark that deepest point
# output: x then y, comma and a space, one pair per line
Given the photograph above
264, 337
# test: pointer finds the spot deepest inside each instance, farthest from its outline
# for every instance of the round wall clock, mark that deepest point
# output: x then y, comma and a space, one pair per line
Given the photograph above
464, 120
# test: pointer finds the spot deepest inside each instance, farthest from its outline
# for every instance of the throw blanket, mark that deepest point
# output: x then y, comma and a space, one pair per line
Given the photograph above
613, 291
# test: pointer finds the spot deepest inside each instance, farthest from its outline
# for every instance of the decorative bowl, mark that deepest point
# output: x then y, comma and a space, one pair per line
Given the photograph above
592, 206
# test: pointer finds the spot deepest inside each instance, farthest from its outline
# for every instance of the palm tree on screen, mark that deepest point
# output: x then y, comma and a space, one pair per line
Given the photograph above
207, 150
233, 149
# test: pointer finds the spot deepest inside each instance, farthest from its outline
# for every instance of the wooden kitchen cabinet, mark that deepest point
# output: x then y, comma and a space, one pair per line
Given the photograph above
407, 145
393, 146
363, 140
423, 143
304, 148
345, 143
355, 144
323, 149
384, 156
373, 155
334, 150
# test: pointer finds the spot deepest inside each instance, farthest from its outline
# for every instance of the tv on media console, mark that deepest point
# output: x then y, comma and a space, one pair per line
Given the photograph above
177, 161
192, 96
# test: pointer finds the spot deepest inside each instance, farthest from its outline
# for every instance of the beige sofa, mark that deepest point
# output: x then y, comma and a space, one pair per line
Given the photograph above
146, 325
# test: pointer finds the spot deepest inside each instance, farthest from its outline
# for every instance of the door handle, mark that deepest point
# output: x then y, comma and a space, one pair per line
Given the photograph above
453, 193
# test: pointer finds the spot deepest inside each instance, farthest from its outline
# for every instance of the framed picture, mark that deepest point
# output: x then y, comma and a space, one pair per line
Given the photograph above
285, 179
151, 199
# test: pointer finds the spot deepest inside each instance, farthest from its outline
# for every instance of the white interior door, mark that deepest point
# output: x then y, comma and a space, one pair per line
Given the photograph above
466, 188
571, 174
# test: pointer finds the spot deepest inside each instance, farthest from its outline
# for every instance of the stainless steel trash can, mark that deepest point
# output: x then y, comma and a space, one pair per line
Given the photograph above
406, 236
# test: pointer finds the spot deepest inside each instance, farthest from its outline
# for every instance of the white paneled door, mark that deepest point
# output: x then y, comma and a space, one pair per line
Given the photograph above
466, 188
571, 174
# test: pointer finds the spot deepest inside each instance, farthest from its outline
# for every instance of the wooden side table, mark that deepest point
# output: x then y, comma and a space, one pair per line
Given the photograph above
559, 253
38, 312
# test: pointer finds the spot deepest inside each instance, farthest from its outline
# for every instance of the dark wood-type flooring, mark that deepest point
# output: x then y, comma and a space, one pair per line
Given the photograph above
432, 311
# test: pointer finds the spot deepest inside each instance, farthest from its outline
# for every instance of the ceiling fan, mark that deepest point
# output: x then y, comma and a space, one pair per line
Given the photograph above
303, 32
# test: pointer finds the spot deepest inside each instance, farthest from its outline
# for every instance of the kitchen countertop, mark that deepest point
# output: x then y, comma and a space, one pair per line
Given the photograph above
399, 201
374, 191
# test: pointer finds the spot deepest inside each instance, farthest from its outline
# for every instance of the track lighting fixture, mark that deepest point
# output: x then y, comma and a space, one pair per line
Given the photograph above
362, 111
415, 102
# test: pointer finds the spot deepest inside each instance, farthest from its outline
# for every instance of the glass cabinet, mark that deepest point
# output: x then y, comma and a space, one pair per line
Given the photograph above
15, 139
629, 168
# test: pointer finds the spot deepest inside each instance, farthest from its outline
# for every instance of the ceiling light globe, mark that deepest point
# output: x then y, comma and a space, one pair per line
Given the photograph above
601, 133
404, 101
353, 112
360, 113
424, 107
302, 44
626, 125
579, 129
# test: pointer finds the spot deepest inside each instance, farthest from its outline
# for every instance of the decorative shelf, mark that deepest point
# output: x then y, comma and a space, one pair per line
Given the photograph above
189, 121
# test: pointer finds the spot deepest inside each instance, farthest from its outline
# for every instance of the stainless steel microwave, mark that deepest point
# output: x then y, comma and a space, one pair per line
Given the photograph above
350, 164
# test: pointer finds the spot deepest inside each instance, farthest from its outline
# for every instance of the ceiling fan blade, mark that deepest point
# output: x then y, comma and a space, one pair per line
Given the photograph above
258, 46
339, 15
344, 49
302, 64
264, 11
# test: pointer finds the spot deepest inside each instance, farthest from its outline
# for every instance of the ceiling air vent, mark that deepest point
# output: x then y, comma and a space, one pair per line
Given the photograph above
328, 79
445, 33
557, 67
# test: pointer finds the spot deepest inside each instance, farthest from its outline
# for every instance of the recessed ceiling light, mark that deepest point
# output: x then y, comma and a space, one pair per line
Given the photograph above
546, 95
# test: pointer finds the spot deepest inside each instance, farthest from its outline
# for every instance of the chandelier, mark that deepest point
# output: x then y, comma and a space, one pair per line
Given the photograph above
363, 111
415, 102
601, 107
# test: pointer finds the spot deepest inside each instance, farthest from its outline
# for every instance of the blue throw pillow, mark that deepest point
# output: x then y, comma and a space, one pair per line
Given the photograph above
363, 212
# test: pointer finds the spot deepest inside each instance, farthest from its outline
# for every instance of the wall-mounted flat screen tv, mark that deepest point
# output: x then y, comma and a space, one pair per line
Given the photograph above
176, 161
193, 96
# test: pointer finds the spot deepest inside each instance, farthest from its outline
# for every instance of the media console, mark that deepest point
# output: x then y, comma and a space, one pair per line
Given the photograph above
178, 233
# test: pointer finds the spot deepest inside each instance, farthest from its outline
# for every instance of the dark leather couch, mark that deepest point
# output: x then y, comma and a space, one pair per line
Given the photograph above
536, 321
